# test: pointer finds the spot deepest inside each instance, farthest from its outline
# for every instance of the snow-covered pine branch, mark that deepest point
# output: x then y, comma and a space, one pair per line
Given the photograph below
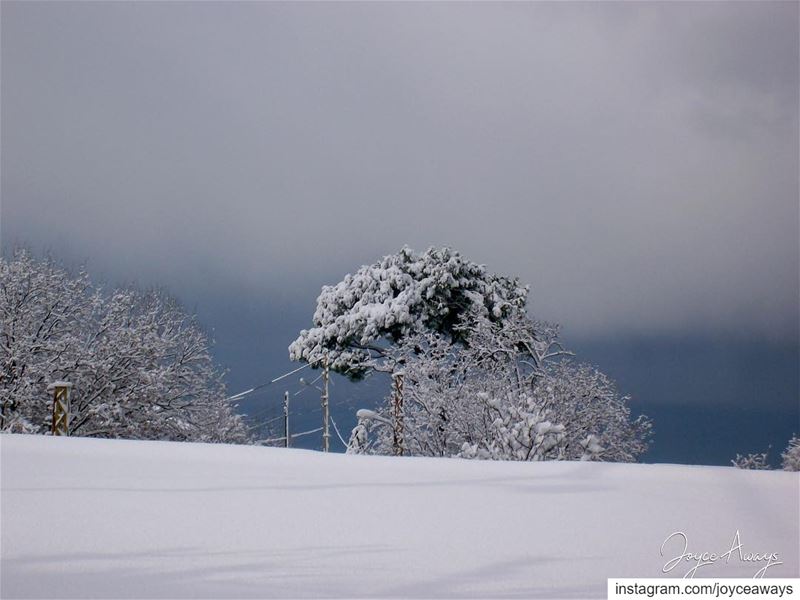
401, 295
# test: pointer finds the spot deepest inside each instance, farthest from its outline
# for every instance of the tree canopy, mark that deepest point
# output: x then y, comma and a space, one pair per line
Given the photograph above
400, 295
139, 364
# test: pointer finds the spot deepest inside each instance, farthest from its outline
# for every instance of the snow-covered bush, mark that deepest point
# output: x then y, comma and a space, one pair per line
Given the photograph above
756, 462
360, 441
401, 295
139, 365
589, 404
507, 394
519, 431
791, 456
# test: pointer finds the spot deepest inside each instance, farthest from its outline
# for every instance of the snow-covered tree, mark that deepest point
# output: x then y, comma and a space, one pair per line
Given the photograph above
42, 309
139, 365
510, 394
403, 294
791, 456
479, 377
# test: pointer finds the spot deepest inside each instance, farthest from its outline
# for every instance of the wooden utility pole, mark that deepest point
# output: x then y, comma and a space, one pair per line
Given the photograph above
60, 391
398, 442
286, 418
326, 435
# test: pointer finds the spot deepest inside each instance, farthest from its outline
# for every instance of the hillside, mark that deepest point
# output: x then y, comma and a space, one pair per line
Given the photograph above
99, 518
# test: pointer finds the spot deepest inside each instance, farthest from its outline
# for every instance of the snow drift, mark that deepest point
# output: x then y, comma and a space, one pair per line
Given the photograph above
101, 518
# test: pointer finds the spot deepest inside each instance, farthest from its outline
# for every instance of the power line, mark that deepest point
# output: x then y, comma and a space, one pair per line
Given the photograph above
309, 432
261, 412
294, 435
305, 385
263, 423
270, 382
266, 410
336, 429
279, 377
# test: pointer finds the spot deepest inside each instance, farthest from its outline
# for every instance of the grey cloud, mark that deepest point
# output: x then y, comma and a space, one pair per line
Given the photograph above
636, 163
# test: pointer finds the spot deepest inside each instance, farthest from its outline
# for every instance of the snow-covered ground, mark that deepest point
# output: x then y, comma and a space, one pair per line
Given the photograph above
96, 518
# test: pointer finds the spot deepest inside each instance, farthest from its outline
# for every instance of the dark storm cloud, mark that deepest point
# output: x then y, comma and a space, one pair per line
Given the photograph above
636, 163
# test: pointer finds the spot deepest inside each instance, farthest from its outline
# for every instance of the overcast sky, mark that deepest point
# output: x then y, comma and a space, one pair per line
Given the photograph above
636, 163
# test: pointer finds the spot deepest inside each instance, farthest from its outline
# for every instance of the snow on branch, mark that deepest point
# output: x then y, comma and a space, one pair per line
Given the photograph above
139, 364
357, 320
